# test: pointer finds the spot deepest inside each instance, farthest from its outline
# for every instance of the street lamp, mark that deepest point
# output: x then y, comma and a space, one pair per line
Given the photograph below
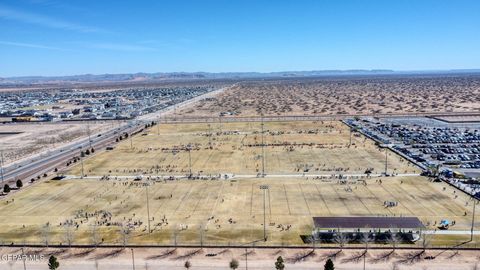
1, 165
473, 219
148, 207
133, 259
264, 188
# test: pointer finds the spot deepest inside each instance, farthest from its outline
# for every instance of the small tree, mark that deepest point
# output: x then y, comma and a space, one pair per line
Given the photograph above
233, 264
92, 150
87, 152
53, 264
187, 265
279, 263
329, 265
19, 183
6, 188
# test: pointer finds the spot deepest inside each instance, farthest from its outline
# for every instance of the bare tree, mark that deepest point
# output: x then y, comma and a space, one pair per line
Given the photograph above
201, 232
69, 235
426, 242
46, 233
394, 240
341, 239
125, 232
94, 234
365, 239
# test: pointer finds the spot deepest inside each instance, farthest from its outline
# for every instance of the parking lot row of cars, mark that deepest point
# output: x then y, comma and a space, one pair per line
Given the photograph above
450, 146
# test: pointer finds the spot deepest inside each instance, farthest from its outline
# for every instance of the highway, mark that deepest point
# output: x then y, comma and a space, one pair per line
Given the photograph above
57, 158
31, 168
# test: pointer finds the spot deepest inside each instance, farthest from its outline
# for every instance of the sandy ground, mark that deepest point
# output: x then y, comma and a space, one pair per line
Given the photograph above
343, 96
33, 138
163, 259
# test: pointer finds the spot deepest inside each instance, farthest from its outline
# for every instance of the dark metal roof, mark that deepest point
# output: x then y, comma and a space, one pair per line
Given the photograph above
368, 222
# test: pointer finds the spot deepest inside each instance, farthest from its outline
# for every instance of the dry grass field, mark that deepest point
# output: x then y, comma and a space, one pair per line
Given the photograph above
34, 138
214, 211
313, 148
300, 160
344, 96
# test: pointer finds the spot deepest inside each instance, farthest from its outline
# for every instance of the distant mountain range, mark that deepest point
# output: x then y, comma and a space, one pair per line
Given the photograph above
145, 77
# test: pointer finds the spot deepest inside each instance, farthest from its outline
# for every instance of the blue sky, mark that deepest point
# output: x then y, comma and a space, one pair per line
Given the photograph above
55, 37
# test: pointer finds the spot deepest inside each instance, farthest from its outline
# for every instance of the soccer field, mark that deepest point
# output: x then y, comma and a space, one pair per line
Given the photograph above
213, 211
313, 148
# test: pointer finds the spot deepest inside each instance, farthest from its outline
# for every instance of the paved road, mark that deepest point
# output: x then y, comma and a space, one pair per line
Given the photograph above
48, 160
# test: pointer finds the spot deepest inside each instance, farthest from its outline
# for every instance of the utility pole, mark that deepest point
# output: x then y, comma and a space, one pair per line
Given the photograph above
148, 207
351, 131
89, 135
473, 219
264, 188
131, 142
133, 260
1, 165
190, 160
24, 258
81, 160
263, 150
158, 126
246, 259
386, 160
209, 135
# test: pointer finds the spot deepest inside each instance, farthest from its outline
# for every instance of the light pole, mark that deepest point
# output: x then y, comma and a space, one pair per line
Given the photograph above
189, 149
264, 188
81, 160
89, 137
24, 258
246, 259
133, 259
386, 160
1, 165
350, 144
209, 135
148, 207
473, 219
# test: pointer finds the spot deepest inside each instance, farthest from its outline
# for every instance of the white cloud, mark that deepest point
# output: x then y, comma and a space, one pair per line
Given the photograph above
119, 47
37, 19
31, 45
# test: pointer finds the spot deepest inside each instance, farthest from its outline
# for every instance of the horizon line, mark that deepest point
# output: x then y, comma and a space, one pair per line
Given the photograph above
462, 70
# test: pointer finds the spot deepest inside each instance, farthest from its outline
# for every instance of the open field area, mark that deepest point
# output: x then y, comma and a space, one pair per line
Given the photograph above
259, 259
313, 148
356, 95
31, 138
217, 211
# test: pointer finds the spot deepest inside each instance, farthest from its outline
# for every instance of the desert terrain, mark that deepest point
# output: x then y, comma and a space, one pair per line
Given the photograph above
332, 96
22, 140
